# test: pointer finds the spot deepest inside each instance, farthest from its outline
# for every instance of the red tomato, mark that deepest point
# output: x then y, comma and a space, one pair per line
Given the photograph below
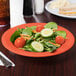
39, 28
19, 42
59, 40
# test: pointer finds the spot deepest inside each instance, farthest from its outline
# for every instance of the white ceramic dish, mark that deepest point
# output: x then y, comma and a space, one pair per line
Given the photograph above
55, 11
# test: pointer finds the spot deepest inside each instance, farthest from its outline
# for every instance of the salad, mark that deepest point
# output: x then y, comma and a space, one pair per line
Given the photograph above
39, 38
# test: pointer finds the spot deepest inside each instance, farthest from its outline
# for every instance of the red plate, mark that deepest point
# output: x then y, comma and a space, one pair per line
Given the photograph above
8, 44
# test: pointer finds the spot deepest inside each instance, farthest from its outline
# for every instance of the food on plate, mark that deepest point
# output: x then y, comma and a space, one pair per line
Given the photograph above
37, 46
39, 38
59, 4
47, 32
39, 28
68, 13
64, 7
19, 42
68, 10
59, 40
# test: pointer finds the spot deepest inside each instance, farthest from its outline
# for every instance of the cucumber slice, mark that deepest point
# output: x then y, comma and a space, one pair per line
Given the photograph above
47, 32
37, 46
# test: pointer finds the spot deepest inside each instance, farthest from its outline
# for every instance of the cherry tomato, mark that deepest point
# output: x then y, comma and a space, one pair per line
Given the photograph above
59, 40
39, 28
19, 42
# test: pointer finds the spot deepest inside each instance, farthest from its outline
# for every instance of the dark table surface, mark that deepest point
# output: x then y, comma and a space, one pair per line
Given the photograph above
61, 65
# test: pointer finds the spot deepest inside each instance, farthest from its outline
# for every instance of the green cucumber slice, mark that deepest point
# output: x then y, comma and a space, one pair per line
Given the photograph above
47, 32
37, 46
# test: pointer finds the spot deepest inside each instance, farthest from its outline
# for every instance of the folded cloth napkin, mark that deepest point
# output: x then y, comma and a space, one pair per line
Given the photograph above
16, 13
1, 63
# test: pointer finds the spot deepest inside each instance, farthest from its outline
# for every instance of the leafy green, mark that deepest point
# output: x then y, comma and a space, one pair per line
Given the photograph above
28, 48
51, 25
33, 27
27, 31
20, 30
47, 49
14, 36
53, 41
52, 38
37, 35
50, 47
47, 39
61, 33
31, 39
39, 39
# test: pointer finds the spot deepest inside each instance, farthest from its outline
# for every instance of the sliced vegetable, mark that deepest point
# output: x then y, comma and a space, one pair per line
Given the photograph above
30, 40
57, 45
37, 35
34, 31
23, 35
19, 42
39, 28
59, 40
47, 38
48, 49
50, 46
53, 41
28, 48
51, 25
46, 32
37, 47
39, 39
61, 33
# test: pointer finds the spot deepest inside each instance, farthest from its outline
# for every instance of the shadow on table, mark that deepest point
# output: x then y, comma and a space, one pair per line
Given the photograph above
53, 59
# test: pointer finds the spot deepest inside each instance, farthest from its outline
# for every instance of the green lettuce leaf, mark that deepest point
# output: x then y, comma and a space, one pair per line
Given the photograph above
61, 33
33, 27
49, 47
14, 36
51, 25
28, 30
